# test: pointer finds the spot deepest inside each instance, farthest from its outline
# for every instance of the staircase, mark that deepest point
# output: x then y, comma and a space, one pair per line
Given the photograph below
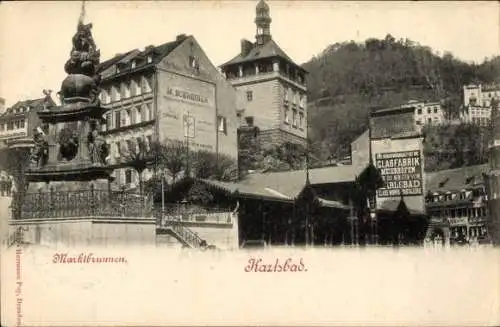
185, 236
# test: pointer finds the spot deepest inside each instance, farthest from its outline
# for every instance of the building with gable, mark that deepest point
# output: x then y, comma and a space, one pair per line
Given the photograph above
170, 92
272, 86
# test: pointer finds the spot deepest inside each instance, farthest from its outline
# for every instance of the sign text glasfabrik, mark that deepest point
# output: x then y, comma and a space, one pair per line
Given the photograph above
401, 172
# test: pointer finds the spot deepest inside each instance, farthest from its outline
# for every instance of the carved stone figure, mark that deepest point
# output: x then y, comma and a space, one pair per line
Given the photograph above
68, 142
82, 84
40, 152
84, 56
98, 148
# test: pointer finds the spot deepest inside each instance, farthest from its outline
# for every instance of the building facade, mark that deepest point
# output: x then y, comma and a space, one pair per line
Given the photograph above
458, 197
477, 103
428, 113
170, 92
271, 86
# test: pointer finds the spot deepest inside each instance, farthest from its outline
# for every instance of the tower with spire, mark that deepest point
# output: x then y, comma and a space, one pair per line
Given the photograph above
271, 85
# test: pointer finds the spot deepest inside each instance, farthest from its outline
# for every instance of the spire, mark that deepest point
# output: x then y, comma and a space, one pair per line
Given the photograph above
82, 14
263, 22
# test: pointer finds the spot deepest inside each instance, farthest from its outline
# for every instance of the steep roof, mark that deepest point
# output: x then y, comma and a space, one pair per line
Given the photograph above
33, 103
456, 179
157, 53
268, 50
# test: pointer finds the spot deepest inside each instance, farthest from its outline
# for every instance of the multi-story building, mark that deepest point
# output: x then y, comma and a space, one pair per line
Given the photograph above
167, 92
458, 197
19, 120
428, 113
477, 103
272, 85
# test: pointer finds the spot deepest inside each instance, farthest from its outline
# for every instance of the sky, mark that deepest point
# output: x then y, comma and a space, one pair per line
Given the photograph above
35, 37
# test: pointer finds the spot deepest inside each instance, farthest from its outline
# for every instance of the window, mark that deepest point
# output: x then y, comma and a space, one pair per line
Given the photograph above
109, 121
435, 110
133, 64
249, 95
118, 150
429, 120
124, 91
301, 120
193, 63
221, 123
146, 85
150, 59
294, 118
138, 143
16, 124
149, 141
115, 95
148, 112
286, 95
130, 146
301, 101
418, 122
123, 118
137, 113
287, 116
135, 88
117, 119
128, 176
105, 96
21, 123
2, 126
10, 125
429, 110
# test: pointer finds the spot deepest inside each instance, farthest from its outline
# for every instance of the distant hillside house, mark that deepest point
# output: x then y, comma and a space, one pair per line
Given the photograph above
477, 103
428, 113
170, 92
271, 85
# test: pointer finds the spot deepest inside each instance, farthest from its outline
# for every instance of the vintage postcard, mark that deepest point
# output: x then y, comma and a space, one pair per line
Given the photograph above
261, 162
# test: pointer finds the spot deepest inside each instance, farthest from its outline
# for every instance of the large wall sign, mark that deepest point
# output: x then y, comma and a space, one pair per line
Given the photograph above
401, 172
186, 96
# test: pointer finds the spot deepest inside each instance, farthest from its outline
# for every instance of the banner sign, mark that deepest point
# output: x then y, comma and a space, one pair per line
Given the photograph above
401, 172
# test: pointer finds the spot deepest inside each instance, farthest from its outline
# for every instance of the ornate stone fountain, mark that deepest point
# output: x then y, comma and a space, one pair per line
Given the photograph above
69, 151
69, 199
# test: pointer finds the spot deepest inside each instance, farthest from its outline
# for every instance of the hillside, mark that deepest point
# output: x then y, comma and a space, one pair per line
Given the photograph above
349, 78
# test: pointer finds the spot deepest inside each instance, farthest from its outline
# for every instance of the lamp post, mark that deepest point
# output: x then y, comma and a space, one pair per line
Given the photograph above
162, 194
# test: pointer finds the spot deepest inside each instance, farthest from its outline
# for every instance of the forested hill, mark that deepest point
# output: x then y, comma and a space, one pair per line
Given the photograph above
348, 78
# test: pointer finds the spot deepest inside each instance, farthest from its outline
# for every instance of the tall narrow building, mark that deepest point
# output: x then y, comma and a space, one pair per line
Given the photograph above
272, 87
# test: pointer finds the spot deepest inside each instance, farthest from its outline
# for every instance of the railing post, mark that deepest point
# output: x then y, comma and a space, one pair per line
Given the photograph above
51, 202
92, 200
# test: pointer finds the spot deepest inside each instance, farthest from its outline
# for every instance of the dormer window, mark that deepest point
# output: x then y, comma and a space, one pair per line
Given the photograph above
133, 64
150, 59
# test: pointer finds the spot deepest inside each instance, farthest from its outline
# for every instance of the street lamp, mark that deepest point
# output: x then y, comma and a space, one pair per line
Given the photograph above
162, 193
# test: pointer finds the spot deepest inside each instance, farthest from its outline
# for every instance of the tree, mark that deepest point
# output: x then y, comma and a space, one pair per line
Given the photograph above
15, 161
139, 156
172, 156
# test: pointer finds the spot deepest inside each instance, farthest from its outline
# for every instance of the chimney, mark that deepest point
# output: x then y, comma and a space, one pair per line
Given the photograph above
246, 46
249, 121
181, 37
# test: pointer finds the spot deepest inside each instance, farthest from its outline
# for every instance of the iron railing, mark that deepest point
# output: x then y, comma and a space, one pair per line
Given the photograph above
187, 235
81, 203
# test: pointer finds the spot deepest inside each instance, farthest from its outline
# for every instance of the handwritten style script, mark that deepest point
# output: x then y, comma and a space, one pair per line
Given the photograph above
257, 265
85, 258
